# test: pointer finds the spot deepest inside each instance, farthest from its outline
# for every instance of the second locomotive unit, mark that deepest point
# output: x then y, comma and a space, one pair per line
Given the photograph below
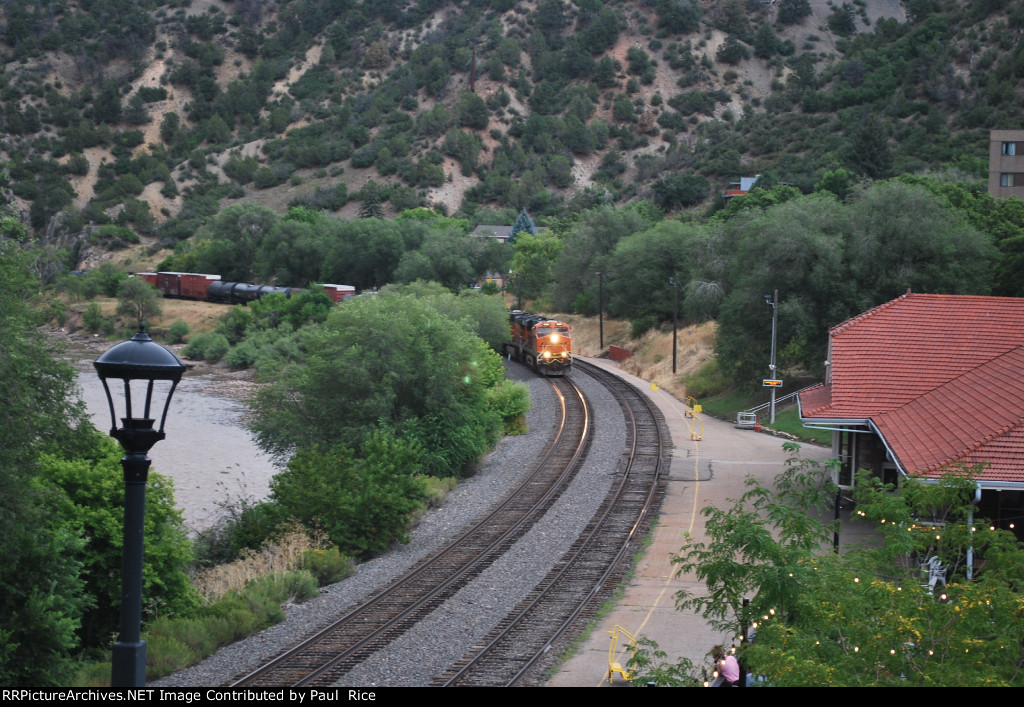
541, 343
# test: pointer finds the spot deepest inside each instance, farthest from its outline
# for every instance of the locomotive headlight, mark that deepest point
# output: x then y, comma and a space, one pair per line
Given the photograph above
547, 354
555, 338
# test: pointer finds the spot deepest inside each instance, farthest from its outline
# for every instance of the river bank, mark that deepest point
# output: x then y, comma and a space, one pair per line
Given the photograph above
209, 453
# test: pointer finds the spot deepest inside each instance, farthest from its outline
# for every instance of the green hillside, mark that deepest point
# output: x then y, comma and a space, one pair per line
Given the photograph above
153, 115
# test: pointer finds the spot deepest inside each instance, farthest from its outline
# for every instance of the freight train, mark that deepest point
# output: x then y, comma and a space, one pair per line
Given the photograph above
541, 343
190, 285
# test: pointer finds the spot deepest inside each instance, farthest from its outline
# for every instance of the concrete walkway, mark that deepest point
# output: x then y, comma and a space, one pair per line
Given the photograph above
708, 471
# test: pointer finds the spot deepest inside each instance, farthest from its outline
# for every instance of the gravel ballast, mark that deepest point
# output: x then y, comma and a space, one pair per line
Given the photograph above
446, 635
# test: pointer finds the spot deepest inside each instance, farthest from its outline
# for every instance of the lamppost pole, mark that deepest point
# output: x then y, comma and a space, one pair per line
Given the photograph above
143, 360
600, 308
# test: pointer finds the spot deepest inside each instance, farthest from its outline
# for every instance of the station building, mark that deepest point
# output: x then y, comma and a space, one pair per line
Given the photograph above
924, 383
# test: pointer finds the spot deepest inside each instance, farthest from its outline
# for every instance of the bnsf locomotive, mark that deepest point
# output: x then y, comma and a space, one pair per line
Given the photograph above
190, 285
541, 343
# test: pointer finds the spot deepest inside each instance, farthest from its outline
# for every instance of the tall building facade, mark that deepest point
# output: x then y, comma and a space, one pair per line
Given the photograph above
1006, 164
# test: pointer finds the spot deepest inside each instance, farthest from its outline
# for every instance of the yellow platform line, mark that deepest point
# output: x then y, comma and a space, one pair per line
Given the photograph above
694, 512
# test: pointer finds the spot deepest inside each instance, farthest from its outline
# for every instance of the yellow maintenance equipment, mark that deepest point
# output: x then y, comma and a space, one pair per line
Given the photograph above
613, 665
691, 406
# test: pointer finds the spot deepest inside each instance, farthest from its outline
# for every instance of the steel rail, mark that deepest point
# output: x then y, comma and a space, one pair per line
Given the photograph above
579, 560
543, 485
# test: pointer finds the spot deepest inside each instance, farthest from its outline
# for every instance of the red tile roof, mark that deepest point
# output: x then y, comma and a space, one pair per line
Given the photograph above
940, 376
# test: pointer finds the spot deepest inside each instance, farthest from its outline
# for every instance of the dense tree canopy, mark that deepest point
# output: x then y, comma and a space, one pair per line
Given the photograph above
393, 362
60, 494
362, 500
861, 617
42, 594
588, 245
831, 260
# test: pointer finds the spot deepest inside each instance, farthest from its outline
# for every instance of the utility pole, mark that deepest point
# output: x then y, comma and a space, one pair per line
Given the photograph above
600, 307
674, 281
773, 302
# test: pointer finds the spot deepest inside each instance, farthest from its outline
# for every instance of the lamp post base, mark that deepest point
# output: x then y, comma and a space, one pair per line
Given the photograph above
128, 666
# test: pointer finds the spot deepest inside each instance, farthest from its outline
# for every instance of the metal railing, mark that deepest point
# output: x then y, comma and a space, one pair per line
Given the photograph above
747, 418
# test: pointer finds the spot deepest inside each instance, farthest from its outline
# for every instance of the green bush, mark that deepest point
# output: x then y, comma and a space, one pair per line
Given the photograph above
246, 525
706, 381
210, 346
511, 401
244, 355
177, 332
173, 644
271, 591
166, 655
328, 566
438, 489
108, 278
363, 501
93, 318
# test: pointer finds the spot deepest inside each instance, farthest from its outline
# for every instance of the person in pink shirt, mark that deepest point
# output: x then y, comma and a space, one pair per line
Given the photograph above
729, 669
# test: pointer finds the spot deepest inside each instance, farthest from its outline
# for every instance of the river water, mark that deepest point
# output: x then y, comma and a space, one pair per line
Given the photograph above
208, 453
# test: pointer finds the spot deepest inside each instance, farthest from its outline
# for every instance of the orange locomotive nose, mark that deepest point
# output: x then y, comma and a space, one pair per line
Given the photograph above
539, 342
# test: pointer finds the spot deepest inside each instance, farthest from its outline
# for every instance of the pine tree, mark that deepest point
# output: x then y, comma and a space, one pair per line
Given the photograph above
371, 208
868, 150
523, 224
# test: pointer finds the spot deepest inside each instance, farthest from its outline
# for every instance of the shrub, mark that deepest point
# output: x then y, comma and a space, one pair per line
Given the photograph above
244, 355
328, 565
437, 489
210, 346
363, 502
511, 401
264, 178
173, 644
92, 317
177, 332
706, 381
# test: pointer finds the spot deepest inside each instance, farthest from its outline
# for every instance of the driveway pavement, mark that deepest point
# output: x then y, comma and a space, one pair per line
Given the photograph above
705, 471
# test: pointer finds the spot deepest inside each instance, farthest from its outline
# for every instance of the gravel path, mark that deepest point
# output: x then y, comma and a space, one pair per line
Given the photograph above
448, 633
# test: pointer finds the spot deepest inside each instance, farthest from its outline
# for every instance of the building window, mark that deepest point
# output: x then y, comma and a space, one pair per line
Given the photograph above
1009, 149
1007, 179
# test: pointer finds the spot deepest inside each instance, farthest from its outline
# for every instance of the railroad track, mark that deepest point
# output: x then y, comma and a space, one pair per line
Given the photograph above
590, 569
326, 657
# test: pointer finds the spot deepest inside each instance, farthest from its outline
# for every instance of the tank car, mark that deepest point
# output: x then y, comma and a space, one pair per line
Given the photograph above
539, 342
244, 292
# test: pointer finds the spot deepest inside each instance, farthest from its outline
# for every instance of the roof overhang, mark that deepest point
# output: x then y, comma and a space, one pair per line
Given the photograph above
839, 424
849, 425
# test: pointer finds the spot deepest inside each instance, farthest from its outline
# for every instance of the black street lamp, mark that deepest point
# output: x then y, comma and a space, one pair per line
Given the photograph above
143, 361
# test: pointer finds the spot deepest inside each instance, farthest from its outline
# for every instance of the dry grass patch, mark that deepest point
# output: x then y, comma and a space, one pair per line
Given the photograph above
200, 316
586, 333
652, 355
652, 352
282, 554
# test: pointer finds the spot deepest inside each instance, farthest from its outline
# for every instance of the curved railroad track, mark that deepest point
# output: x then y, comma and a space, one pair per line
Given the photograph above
328, 655
590, 569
